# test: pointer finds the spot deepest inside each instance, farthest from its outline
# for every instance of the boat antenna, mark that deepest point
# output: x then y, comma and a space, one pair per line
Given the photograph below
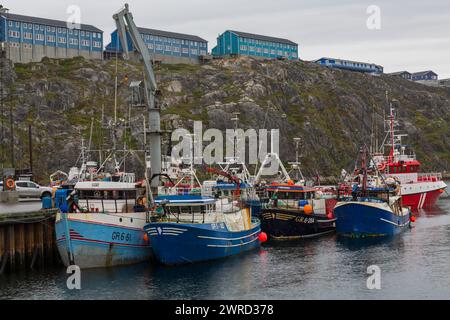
296, 164
235, 119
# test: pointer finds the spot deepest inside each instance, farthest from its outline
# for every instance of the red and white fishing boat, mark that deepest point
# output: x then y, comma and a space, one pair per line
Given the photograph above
419, 190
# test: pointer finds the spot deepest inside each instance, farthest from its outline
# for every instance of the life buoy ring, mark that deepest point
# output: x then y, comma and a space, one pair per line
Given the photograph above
382, 166
10, 184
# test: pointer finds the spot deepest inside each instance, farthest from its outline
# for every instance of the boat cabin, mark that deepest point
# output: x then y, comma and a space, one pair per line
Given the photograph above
107, 196
193, 209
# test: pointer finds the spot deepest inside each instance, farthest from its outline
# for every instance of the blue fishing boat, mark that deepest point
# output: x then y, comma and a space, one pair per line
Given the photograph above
102, 226
372, 211
189, 229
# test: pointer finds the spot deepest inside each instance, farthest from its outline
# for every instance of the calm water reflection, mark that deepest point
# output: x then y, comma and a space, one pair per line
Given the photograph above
414, 265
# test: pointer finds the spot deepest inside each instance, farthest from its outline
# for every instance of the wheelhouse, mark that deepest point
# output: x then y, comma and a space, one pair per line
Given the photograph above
107, 196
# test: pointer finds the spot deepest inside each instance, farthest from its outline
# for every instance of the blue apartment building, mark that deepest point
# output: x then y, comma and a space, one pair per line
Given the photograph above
165, 46
29, 39
246, 44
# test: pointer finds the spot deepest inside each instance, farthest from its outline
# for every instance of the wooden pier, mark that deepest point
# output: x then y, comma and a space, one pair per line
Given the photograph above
27, 240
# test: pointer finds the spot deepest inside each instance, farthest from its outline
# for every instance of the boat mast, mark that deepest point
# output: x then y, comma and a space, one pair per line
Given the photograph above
364, 169
296, 164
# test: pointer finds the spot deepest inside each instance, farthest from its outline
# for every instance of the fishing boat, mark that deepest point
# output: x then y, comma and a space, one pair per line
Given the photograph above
293, 210
101, 224
296, 211
419, 190
372, 211
192, 228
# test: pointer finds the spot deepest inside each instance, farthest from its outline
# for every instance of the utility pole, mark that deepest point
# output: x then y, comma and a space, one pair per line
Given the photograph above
2, 106
30, 148
2, 92
11, 131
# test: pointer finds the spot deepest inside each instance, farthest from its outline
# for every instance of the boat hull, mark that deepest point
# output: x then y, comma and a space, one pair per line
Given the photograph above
97, 242
282, 224
179, 243
361, 219
419, 200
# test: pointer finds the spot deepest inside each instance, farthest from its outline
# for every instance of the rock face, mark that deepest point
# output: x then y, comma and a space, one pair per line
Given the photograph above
332, 110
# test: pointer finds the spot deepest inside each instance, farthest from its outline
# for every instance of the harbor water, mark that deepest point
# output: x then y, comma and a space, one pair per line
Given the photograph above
414, 265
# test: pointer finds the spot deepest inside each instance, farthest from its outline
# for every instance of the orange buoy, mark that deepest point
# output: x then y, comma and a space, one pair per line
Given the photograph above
441, 190
413, 219
262, 237
330, 215
145, 237
308, 209
290, 182
10, 184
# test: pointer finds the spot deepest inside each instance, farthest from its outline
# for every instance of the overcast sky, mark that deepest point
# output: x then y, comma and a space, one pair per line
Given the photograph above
414, 34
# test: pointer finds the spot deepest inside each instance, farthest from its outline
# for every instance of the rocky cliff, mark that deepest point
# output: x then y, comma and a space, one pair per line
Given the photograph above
332, 110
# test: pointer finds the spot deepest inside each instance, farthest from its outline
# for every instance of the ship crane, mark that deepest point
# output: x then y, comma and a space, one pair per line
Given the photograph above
229, 176
127, 28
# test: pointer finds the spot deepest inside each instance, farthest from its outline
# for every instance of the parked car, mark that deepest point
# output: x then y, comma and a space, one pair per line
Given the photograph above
30, 189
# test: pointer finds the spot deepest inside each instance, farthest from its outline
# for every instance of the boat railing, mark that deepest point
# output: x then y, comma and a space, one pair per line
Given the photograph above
429, 177
179, 214
107, 205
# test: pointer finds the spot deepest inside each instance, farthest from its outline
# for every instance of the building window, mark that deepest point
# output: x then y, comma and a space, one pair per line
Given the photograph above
14, 34
40, 37
168, 48
194, 52
50, 39
10, 23
185, 51
75, 32
62, 40
82, 33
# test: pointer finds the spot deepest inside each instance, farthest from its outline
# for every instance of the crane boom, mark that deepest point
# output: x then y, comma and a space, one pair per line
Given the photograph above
126, 27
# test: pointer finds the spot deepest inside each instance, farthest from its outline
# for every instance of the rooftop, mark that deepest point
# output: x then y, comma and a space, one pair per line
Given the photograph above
44, 21
422, 73
167, 34
264, 38
398, 73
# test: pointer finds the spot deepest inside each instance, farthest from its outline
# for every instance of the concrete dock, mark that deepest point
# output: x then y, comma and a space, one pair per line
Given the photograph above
27, 237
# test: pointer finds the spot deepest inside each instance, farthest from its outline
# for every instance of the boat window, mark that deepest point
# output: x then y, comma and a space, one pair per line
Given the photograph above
107, 194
